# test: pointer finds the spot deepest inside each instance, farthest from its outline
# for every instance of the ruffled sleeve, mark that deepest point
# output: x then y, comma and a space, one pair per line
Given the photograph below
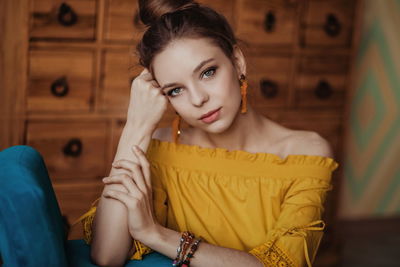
297, 233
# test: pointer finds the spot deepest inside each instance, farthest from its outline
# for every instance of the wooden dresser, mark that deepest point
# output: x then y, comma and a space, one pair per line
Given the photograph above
68, 66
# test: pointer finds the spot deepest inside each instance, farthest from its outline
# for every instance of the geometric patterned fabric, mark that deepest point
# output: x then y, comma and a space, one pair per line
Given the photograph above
371, 185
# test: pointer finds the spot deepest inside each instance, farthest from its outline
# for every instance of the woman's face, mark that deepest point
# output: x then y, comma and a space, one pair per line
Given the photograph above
198, 78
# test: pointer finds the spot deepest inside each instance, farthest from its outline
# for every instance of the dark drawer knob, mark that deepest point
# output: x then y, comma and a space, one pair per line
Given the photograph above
269, 89
269, 22
323, 90
332, 25
73, 148
66, 15
60, 87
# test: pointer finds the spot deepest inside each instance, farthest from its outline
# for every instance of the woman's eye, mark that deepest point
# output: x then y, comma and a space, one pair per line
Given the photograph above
210, 72
174, 91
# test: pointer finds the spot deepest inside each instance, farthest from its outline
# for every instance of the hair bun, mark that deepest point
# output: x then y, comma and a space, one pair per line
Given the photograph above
151, 10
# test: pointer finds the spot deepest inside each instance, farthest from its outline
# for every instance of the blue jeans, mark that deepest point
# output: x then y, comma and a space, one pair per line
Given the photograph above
31, 225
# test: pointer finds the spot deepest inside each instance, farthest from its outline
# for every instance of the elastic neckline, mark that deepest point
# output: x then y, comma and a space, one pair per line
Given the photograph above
223, 153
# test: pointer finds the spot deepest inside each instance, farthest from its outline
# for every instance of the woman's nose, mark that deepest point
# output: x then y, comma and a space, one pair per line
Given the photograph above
198, 96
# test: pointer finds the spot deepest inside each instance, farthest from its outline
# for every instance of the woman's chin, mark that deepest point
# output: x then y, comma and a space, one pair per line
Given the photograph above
216, 127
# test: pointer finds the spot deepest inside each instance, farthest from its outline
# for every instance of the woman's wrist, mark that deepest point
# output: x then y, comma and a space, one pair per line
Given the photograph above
162, 239
135, 134
138, 130
152, 236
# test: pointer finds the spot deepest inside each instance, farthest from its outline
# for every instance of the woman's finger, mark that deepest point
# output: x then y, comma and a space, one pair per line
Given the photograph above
126, 181
127, 200
144, 163
146, 75
136, 171
154, 83
144, 71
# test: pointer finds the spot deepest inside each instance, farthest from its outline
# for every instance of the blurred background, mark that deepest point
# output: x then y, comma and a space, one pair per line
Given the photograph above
330, 66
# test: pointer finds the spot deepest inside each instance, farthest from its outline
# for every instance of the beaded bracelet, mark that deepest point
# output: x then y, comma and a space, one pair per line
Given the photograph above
189, 256
185, 241
188, 238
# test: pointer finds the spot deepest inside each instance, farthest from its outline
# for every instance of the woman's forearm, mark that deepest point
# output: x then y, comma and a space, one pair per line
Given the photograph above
111, 242
132, 135
165, 241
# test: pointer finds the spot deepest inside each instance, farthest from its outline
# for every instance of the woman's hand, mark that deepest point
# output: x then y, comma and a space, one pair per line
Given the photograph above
138, 198
147, 103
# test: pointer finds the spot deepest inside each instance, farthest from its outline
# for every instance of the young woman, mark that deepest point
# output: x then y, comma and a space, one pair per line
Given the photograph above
251, 189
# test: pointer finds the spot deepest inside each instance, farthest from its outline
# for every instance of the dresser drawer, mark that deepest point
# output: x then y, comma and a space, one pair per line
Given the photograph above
321, 81
324, 63
264, 22
119, 69
122, 21
60, 80
74, 200
70, 19
320, 90
71, 149
269, 81
328, 23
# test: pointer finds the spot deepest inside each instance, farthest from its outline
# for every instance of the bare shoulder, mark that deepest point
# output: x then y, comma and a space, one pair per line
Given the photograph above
162, 134
310, 143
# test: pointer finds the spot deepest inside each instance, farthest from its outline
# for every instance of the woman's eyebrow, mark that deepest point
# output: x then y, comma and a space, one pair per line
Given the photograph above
202, 64
168, 85
194, 71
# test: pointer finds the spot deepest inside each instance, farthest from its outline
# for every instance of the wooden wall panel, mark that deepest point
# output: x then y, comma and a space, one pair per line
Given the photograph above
13, 66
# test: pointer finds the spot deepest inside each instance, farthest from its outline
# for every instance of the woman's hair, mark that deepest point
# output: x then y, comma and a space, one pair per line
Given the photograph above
168, 20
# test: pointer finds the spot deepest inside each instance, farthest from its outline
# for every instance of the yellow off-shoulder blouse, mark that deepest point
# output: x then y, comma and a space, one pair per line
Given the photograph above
255, 202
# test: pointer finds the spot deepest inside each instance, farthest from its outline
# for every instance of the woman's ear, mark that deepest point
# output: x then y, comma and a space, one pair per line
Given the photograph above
239, 60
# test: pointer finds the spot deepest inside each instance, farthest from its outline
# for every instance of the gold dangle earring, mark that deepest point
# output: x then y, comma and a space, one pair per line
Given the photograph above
243, 92
176, 127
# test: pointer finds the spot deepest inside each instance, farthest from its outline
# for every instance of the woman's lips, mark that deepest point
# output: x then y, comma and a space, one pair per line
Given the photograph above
211, 117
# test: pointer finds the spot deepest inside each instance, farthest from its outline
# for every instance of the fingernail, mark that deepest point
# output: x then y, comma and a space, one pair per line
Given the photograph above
105, 179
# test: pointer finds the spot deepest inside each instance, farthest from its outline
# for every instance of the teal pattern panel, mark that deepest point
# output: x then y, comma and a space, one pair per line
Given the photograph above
371, 185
